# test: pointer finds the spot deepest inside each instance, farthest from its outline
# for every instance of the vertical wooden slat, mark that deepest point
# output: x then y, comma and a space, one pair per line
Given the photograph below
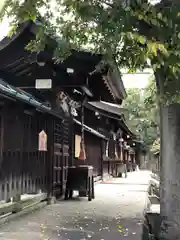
34, 172
10, 190
26, 170
6, 188
50, 156
2, 190
44, 172
71, 142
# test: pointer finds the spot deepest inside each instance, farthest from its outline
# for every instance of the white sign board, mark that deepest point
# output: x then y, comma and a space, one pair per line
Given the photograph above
77, 145
43, 83
42, 141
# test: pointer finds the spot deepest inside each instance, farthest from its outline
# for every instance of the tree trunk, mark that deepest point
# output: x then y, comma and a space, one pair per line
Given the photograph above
170, 172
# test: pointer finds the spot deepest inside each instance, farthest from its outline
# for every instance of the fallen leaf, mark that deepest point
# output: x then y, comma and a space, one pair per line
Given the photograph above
120, 226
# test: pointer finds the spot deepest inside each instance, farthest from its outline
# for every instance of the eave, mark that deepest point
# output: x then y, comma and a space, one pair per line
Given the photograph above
114, 82
12, 93
89, 129
112, 114
27, 62
109, 107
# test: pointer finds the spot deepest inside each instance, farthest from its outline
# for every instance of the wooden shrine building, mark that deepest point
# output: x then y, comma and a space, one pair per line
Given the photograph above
40, 115
111, 143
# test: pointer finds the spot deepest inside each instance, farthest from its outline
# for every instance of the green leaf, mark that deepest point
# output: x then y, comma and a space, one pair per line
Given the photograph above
154, 22
132, 71
159, 15
142, 39
140, 17
179, 35
12, 31
33, 18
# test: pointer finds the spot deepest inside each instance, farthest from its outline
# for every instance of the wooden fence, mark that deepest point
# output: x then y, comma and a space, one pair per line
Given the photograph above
22, 173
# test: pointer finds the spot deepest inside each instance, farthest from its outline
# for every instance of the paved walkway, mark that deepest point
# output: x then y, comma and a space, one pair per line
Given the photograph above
115, 214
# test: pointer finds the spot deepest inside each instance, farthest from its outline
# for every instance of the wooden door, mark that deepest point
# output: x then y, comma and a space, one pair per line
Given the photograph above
61, 156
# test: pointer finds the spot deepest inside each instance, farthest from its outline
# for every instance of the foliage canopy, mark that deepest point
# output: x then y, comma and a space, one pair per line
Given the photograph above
130, 32
143, 113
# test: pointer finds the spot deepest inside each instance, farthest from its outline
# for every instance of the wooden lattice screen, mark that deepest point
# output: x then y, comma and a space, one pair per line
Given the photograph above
23, 168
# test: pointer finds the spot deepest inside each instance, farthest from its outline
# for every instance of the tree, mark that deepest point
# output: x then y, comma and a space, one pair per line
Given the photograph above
113, 28
143, 113
156, 146
131, 33
152, 109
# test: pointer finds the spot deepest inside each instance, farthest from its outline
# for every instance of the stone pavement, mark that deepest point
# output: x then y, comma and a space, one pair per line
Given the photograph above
116, 213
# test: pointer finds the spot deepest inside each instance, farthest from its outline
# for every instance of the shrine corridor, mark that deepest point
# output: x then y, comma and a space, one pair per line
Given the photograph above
116, 213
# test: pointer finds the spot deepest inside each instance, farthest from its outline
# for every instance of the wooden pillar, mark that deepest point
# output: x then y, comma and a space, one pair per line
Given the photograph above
134, 160
129, 156
50, 157
71, 142
102, 154
125, 156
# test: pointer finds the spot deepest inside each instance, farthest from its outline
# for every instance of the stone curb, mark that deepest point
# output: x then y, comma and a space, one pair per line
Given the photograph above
25, 211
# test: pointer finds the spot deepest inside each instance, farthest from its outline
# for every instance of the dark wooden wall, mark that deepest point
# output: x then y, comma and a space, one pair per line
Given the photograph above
23, 169
94, 151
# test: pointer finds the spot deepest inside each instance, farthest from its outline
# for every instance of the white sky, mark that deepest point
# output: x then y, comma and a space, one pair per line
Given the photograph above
4, 28
129, 80
136, 80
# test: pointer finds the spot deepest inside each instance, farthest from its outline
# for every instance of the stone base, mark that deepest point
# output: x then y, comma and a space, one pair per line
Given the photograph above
25, 211
121, 170
51, 200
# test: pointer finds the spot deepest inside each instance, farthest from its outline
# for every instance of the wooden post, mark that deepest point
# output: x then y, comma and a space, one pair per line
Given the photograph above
71, 142
50, 158
102, 153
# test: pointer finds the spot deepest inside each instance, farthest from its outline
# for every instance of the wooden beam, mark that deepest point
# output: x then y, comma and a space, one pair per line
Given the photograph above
61, 80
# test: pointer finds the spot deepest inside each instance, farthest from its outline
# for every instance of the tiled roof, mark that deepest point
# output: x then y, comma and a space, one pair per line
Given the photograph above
109, 107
